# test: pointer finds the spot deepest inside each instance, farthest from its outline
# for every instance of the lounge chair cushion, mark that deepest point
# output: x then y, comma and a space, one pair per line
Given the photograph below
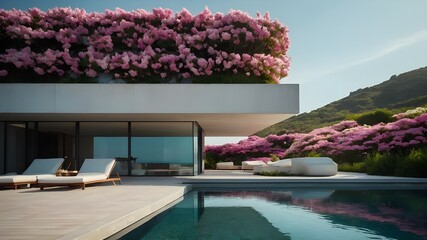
44, 166
18, 178
92, 171
81, 178
97, 166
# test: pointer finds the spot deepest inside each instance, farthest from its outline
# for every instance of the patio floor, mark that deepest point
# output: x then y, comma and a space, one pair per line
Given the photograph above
99, 211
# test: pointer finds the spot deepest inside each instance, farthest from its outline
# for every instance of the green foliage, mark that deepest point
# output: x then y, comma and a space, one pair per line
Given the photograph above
273, 174
274, 158
210, 163
352, 167
381, 163
405, 164
405, 91
374, 117
414, 164
314, 154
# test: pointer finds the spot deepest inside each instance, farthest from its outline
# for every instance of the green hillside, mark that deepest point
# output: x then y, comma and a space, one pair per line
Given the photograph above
405, 91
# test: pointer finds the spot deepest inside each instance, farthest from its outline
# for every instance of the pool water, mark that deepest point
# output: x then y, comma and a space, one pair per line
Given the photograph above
292, 214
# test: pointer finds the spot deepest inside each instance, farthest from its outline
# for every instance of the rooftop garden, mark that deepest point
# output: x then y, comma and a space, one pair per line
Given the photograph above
72, 45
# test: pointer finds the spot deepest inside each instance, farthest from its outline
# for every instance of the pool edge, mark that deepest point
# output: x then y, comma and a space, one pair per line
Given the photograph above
117, 222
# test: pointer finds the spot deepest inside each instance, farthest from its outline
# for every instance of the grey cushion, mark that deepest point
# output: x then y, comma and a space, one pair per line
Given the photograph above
44, 166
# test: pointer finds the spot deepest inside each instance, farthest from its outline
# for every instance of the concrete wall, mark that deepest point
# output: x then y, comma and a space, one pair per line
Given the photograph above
2, 170
149, 98
15, 143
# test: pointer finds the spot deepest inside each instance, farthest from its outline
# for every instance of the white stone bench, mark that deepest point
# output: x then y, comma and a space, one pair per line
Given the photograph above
308, 166
314, 166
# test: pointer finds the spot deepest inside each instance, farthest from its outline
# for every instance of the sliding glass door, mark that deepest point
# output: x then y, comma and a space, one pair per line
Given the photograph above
105, 140
140, 148
162, 148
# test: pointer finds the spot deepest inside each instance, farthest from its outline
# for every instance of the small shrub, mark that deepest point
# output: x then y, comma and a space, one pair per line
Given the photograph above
210, 164
381, 163
314, 154
352, 167
351, 157
274, 158
374, 117
274, 174
413, 164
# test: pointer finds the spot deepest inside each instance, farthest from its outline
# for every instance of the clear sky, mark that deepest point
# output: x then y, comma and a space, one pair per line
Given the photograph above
337, 46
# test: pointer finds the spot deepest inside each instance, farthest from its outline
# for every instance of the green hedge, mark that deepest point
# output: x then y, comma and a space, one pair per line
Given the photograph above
411, 164
373, 117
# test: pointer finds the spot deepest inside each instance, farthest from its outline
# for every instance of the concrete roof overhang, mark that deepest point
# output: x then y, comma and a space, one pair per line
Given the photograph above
212, 124
220, 109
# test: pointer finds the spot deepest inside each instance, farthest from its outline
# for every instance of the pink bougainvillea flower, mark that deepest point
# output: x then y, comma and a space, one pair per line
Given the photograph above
119, 41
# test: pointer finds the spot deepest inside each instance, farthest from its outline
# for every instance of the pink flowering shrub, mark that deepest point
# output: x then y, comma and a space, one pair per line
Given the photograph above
249, 149
353, 144
140, 46
344, 142
411, 113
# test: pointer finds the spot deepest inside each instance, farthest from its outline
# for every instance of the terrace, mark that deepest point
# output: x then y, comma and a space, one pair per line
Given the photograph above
100, 211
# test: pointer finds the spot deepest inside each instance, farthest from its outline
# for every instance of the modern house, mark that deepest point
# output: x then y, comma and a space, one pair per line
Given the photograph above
130, 96
149, 128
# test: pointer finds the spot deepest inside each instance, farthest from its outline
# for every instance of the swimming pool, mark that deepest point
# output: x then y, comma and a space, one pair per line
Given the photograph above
291, 214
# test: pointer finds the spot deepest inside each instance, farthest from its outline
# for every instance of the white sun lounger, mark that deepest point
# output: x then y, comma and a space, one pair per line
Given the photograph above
95, 170
38, 168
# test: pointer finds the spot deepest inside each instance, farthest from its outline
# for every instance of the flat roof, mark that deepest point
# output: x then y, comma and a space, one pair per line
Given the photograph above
220, 109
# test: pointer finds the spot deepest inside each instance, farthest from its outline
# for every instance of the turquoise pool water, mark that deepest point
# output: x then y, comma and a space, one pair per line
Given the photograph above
292, 214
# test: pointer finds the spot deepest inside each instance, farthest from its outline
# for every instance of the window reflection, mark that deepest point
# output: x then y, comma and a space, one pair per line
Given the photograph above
56, 139
162, 148
105, 140
140, 148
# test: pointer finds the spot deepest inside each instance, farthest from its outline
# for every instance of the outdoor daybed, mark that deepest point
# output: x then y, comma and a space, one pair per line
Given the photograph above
38, 168
227, 166
283, 166
95, 170
308, 166
314, 166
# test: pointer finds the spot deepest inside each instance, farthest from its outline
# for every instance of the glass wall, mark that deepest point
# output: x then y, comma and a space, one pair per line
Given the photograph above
162, 148
15, 145
195, 148
56, 139
140, 148
200, 148
105, 140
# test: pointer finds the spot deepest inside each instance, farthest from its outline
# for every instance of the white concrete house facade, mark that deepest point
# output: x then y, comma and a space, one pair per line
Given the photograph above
151, 129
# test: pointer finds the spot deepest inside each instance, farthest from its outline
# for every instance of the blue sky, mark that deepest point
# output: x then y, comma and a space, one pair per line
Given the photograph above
337, 46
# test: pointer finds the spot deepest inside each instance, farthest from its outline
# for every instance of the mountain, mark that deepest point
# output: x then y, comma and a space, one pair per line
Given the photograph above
399, 93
